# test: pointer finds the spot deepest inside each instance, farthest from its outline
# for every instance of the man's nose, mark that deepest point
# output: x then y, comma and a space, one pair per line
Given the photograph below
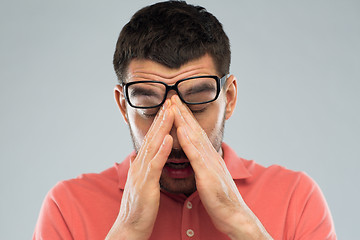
173, 134
170, 94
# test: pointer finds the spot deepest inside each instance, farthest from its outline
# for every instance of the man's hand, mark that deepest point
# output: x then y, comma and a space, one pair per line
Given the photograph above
141, 197
215, 186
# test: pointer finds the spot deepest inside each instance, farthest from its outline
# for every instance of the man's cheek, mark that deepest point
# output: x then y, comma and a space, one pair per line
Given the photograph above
139, 126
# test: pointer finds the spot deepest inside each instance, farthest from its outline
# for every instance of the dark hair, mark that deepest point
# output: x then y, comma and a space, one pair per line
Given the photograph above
172, 33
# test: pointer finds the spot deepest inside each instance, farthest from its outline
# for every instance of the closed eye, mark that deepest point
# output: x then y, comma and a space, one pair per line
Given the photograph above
199, 89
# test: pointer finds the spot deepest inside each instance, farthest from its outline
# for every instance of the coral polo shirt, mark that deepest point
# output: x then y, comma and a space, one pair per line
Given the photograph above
289, 205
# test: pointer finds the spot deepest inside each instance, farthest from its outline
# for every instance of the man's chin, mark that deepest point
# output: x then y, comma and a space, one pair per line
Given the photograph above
178, 185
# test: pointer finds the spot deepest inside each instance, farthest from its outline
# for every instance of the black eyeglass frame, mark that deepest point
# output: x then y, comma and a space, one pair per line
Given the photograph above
219, 84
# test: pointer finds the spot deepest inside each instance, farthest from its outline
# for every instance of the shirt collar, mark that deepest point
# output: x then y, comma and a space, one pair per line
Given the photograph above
234, 164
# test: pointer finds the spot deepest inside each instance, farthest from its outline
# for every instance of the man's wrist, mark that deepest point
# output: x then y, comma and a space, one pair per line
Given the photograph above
248, 228
125, 233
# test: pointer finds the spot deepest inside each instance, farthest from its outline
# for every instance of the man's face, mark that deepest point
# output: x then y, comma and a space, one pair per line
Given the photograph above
175, 178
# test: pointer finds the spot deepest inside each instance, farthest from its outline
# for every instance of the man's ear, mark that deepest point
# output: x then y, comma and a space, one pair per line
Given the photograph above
120, 100
231, 96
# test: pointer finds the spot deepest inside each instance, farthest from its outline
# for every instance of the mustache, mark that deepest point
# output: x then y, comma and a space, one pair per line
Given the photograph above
177, 154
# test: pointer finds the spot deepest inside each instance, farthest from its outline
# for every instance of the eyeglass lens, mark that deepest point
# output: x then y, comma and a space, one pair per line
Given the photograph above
193, 91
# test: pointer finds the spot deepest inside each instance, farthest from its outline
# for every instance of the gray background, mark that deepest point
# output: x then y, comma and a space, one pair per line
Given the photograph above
297, 64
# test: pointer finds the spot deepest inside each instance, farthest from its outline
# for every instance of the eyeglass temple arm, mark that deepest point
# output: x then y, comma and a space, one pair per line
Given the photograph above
223, 79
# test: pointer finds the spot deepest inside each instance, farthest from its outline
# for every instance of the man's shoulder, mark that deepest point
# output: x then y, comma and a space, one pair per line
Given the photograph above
253, 171
87, 184
278, 175
75, 206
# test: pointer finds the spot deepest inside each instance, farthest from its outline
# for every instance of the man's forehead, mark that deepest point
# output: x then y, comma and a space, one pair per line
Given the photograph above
144, 69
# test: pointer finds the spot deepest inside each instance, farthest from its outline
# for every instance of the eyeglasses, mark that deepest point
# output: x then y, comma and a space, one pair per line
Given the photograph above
193, 90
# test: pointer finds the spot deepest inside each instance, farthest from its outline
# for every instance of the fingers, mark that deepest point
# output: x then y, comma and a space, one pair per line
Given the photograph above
157, 163
155, 136
194, 141
190, 149
141, 197
184, 115
214, 183
191, 130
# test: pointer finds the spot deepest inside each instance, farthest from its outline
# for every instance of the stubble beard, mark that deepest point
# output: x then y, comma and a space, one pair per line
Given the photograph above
187, 185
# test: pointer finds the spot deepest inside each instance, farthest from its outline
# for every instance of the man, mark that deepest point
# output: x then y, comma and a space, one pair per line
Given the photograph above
181, 182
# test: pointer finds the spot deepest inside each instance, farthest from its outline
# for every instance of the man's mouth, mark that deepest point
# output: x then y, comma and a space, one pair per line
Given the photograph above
177, 165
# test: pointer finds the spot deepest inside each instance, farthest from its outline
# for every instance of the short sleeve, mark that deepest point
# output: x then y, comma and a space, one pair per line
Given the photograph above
312, 215
51, 223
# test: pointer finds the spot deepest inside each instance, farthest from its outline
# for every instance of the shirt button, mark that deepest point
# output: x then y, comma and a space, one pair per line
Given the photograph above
190, 232
189, 205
